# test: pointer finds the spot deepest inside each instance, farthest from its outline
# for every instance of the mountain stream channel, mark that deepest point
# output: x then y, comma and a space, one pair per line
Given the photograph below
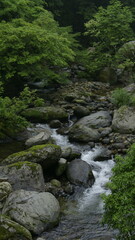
82, 212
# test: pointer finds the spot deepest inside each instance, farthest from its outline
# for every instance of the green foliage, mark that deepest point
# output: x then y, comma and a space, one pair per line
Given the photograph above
11, 120
120, 205
121, 97
125, 59
32, 45
109, 29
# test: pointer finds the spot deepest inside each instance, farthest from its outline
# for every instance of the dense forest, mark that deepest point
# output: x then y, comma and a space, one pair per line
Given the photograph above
45, 41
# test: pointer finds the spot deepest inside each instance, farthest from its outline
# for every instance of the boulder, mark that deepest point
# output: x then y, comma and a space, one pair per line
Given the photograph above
55, 124
45, 114
80, 133
81, 111
96, 120
35, 211
104, 154
41, 138
66, 152
47, 155
124, 120
10, 230
24, 175
79, 173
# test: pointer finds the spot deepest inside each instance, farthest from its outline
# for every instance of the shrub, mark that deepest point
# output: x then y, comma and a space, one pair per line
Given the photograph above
121, 97
11, 121
120, 205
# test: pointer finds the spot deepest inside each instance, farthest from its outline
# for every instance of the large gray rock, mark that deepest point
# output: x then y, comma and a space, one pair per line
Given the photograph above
81, 133
79, 173
35, 211
45, 114
10, 230
47, 155
124, 120
81, 111
24, 175
96, 120
42, 138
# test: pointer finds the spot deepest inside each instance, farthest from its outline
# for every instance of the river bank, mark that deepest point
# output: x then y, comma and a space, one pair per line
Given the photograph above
78, 128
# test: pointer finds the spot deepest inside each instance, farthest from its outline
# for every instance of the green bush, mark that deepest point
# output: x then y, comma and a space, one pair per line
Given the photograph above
120, 204
121, 97
11, 121
109, 29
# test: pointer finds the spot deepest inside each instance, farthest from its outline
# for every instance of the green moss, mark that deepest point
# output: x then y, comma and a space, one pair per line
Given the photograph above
29, 154
18, 165
12, 230
45, 114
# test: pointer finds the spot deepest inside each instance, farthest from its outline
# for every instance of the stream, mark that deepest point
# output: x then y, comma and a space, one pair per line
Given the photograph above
82, 212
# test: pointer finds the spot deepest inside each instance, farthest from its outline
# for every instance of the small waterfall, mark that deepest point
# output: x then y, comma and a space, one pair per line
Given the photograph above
82, 216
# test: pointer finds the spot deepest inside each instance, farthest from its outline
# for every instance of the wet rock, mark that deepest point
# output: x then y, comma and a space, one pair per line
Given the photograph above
68, 188
104, 154
124, 120
79, 173
47, 155
61, 168
45, 114
56, 183
55, 124
35, 211
81, 111
24, 175
66, 152
70, 97
11, 230
70, 153
41, 138
80, 133
75, 154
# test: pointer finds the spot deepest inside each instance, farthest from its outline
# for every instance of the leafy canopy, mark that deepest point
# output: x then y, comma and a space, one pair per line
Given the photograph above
32, 45
120, 205
109, 29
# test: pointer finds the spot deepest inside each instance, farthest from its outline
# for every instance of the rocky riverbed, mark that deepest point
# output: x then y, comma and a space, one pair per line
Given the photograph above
31, 180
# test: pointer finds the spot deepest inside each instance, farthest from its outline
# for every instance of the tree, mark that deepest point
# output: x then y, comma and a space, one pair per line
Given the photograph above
109, 29
32, 45
120, 205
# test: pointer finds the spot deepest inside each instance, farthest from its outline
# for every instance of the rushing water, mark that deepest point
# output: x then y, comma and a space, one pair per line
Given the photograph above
82, 213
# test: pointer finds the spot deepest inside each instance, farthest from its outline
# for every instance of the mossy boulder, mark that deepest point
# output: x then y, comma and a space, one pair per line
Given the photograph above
24, 175
35, 211
10, 230
45, 114
5, 190
47, 155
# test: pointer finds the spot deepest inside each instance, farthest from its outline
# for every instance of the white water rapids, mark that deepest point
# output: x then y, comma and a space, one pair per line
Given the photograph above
81, 220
